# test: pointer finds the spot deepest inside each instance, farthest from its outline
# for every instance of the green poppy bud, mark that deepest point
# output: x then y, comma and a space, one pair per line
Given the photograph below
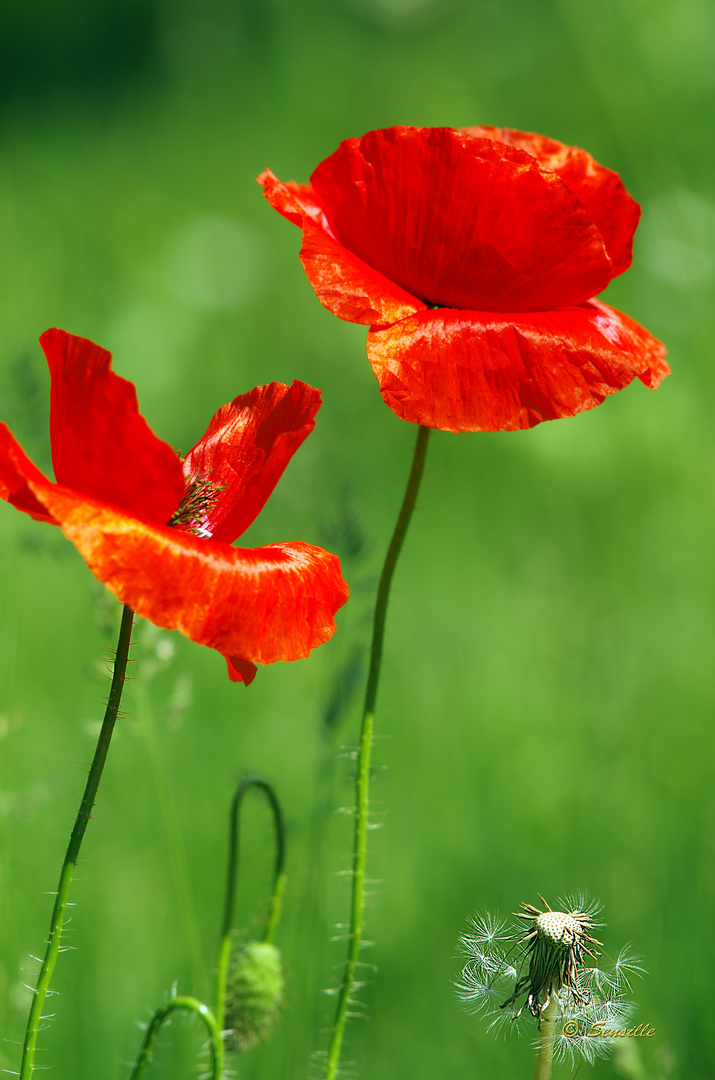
254, 993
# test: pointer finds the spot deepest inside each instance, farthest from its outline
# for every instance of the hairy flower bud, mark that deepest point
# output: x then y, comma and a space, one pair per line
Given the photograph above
254, 993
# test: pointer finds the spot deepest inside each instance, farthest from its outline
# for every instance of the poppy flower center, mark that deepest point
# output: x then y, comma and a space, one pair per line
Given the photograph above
200, 497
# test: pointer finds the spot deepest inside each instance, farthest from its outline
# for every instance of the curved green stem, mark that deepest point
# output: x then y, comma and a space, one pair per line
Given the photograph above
70, 862
279, 879
363, 768
190, 1004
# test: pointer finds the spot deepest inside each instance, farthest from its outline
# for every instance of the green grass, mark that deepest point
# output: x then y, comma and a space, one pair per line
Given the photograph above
545, 716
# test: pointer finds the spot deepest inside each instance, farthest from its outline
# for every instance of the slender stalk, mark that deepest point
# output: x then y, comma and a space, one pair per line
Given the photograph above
362, 784
70, 862
279, 879
190, 1004
545, 1041
276, 908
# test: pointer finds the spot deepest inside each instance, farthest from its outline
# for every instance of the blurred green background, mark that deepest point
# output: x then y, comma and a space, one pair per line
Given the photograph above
545, 717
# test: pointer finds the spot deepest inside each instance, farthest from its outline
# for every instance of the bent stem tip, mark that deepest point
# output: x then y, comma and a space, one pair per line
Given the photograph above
190, 1005
279, 880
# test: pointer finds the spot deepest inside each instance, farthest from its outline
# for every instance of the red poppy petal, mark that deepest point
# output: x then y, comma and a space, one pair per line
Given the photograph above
15, 471
101, 445
350, 288
245, 450
599, 190
475, 371
297, 202
461, 222
240, 670
343, 283
270, 603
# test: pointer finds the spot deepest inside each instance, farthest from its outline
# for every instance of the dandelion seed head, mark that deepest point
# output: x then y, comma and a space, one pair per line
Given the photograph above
562, 929
510, 975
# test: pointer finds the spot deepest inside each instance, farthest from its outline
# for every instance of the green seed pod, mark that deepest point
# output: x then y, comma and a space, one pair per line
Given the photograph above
254, 993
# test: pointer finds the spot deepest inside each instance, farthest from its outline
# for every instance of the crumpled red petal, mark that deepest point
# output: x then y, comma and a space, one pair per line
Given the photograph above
599, 190
245, 450
350, 288
477, 371
343, 283
270, 603
240, 670
101, 445
461, 222
15, 471
296, 202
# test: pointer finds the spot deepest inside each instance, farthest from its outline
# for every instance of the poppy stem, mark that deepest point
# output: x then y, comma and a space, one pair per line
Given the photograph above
279, 880
191, 1005
70, 862
545, 1041
362, 782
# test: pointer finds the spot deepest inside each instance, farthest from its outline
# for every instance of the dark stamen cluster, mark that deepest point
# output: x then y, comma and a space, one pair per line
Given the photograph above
199, 499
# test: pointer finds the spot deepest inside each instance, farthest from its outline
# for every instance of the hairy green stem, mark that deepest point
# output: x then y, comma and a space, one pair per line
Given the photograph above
545, 1041
192, 1005
70, 862
279, 880
362, 783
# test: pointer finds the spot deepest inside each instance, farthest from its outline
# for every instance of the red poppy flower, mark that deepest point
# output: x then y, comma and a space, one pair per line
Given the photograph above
158, 530
474, 257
